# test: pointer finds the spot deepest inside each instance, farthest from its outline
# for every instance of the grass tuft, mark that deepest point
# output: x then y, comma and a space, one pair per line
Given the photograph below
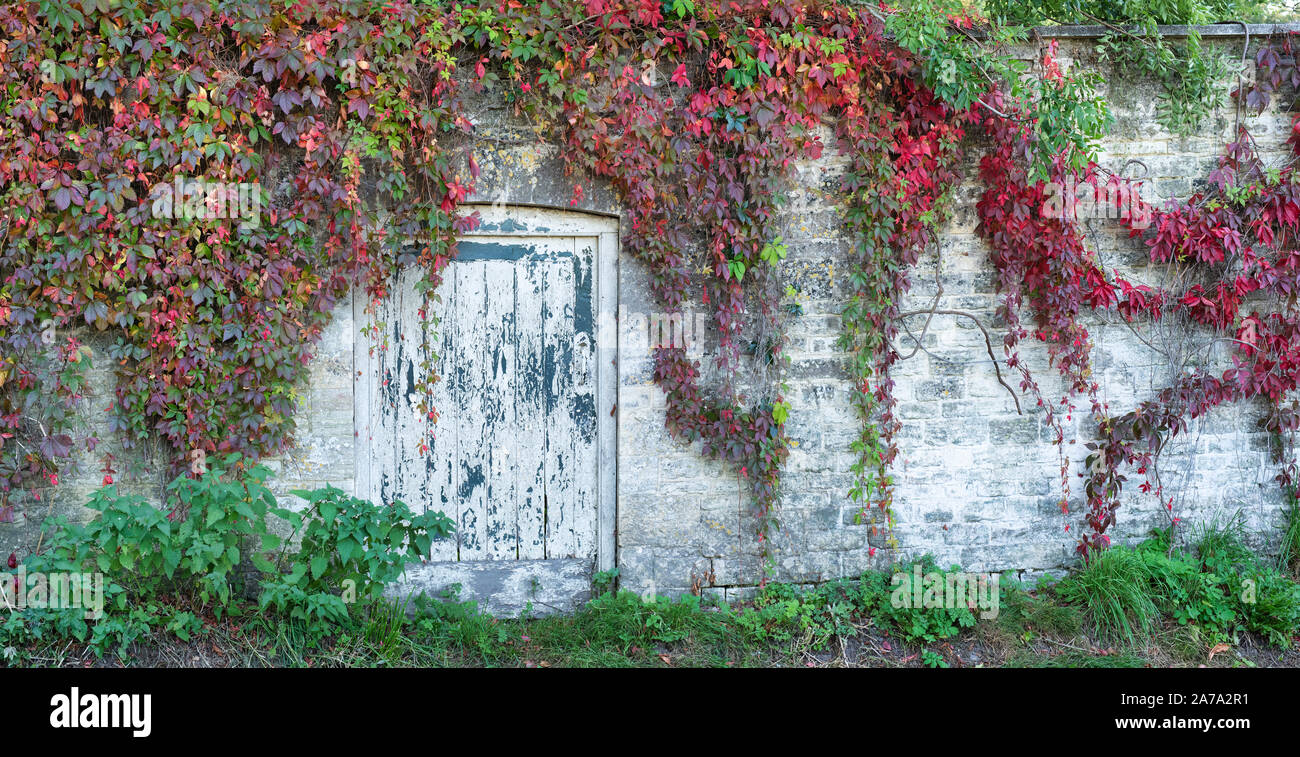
1116, 591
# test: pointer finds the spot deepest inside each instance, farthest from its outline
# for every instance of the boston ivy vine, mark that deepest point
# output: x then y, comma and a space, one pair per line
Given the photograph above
1233, 241
334, 120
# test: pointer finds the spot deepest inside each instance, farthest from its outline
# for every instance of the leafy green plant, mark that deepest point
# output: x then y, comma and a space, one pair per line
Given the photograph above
215, 522
932, 659
1220, 544
350, 544
349, 549
1259, 597
646, 622
462, 623
603, 580
1191, 595
928, 624
208, 548
812, 617
783, 624
1191, 75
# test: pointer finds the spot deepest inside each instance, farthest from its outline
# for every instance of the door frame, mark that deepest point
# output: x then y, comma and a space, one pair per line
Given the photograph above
498, 220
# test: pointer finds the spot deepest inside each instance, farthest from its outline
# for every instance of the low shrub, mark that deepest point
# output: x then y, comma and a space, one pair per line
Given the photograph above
783, 612
350, 549
813, 616
212, 545
922, 623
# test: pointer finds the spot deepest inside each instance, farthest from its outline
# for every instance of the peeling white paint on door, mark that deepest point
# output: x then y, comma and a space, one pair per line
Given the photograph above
521, 456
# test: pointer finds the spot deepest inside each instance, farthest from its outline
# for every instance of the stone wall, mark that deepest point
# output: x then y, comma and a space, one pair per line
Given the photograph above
977, 482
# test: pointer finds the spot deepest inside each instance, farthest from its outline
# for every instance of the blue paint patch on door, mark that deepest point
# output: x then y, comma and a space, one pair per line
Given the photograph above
471, 251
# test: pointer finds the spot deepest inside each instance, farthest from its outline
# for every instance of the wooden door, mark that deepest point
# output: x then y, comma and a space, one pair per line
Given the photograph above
515, 455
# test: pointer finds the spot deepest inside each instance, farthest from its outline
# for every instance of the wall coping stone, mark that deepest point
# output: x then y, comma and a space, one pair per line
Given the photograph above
1234, 29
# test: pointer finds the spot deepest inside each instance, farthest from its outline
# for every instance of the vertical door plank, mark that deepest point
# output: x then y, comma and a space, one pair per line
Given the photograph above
530, 407
442, 459
410, 477
557, 327
579, 509
364, 383
607, 329
389, 399
501, 508
467, 368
